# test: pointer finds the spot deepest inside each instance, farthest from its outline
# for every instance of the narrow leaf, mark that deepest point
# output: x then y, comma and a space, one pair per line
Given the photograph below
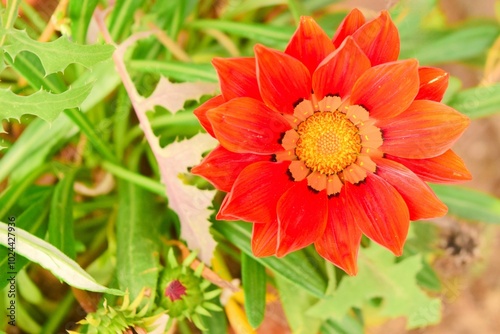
80, 13
176, 70
137, 240
478, 102
253, 275
61, 231
469, 204
57, 55
34, 221
52, 259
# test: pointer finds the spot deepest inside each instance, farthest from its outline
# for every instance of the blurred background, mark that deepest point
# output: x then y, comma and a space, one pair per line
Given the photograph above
468, 266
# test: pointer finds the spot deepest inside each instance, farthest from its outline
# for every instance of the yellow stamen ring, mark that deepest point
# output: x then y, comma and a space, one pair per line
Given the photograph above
330, 143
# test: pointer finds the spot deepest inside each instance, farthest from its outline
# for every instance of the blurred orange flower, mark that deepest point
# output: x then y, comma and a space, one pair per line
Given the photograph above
330, 140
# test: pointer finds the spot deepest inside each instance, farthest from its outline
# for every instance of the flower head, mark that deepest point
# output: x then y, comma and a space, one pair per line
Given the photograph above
330, 140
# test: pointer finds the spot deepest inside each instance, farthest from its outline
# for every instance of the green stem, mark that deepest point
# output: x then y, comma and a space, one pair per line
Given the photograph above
88, 129
56, 319
142, 181
10, 16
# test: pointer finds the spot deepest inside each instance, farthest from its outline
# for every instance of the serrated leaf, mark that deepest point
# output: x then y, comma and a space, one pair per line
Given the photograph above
57, 55
190, 203
295, 303
379, 276
172, 96
43, 104
52, 259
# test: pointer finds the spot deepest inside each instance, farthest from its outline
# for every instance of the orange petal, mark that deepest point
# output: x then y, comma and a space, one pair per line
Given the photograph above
310, 44
302, 216
221, 167
256, 192
379, 211
425, 130
420, 199
352, 22
283, 80
445, 168
201, 112
237, 77
379, 39
388, 89
246, 125
338, 73
340, 242
265, 239
433, 83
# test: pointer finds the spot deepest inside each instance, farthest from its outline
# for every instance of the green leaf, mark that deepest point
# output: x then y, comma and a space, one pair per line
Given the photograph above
121, 18
52, 259
263, 33
57, 55
296, 267
450, 47
253, 276
348, 325
61, 231
177, 70
477, 102
80, 12
34, 221
43, 104
469, 204
137, 241
10, 196
380, 277
295, 303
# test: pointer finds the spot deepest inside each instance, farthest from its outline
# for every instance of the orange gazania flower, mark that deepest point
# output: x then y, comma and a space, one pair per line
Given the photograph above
330, 140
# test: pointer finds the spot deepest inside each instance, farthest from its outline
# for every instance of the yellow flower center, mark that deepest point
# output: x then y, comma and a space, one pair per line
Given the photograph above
328, 142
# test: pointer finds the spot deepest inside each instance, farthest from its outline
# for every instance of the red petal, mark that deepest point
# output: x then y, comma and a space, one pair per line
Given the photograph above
379, 39
245, 125
445, 168
340, 242
338, 73
425, 130
221, 167
238, 77
433, 83
310, 44
283, 80
302, 215
201, 112
420, 199
265, 239
388, 89
256, 192
380, 212
352, 22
